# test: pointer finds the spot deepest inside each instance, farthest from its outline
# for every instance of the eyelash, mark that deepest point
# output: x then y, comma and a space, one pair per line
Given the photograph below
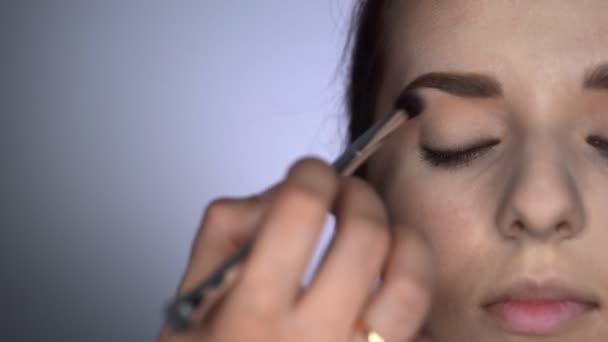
453, 158
600, 143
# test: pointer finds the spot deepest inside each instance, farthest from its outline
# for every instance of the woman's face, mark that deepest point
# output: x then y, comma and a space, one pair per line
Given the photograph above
519, 222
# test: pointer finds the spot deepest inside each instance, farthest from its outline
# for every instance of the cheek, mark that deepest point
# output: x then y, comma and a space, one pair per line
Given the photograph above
592, 246
457, 225
453, 221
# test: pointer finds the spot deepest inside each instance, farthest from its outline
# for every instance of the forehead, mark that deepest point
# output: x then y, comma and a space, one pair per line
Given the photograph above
514, 40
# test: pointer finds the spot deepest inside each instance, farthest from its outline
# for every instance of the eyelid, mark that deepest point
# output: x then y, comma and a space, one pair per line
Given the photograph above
451, 158
600, 143
597, 140
462, 149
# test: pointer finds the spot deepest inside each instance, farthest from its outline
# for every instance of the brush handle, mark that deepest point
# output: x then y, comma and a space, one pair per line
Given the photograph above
179, 313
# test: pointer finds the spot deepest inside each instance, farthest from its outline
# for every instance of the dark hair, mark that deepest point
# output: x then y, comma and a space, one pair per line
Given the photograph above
366, 44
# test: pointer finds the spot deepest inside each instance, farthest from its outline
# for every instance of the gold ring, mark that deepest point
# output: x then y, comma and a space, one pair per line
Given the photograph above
364, 331
373, 336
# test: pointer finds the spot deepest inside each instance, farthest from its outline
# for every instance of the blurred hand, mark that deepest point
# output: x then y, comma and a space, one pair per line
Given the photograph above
265, 301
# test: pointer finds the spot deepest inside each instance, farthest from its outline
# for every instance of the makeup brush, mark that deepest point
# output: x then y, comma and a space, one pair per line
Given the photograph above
180, 311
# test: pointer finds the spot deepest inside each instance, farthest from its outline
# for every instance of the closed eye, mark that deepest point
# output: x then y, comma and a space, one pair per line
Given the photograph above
455, 157
600, 143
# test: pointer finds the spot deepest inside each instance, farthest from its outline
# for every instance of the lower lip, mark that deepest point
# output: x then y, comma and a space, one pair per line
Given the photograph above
537, 317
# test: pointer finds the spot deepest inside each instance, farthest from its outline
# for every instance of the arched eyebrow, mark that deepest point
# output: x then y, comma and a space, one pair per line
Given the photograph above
597, 77
480, 85
459, 84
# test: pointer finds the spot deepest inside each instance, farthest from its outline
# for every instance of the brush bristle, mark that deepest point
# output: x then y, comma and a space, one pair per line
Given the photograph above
411, 103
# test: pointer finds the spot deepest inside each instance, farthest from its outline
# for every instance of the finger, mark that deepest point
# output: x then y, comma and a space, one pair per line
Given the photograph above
288, 235
227, 224
398, 309
354, 260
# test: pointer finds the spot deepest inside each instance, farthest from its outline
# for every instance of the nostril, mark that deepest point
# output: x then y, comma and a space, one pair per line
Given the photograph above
519, 226
563, 228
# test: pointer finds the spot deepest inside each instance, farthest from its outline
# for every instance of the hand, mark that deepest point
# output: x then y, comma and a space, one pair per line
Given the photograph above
266, 302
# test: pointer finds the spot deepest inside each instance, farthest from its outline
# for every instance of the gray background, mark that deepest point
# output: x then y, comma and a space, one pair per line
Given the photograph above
121, 120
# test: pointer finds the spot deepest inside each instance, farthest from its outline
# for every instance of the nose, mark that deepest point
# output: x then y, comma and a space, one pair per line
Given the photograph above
541, 201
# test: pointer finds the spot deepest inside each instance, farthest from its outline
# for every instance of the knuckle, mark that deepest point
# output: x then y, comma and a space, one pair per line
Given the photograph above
301, 197
223, 211
314, 174
221, 221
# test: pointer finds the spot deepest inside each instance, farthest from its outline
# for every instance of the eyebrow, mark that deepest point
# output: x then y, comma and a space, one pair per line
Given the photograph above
463, 84
480, 85
597, 77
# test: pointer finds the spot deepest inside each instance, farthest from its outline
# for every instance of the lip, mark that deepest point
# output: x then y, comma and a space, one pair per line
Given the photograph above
539, 306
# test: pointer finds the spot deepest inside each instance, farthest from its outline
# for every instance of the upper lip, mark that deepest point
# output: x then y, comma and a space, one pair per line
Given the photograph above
548, 288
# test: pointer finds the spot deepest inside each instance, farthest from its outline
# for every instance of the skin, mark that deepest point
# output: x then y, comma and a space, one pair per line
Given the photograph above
444, 238
263, 299
534, 204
